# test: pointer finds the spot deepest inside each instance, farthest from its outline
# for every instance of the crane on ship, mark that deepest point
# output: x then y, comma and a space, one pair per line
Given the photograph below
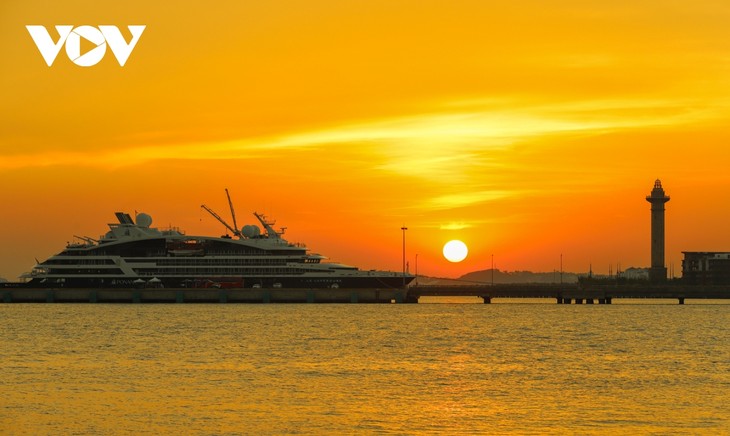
233, 213
221, 220
268, 224
234, 229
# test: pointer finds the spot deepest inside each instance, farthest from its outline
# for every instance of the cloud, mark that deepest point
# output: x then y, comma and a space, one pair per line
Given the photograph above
447, 143
463, 199
456, 226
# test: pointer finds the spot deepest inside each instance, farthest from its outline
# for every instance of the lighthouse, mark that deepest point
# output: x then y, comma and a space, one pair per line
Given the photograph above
658, 271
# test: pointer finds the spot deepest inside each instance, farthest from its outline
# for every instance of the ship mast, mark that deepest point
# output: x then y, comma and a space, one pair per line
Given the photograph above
269, 226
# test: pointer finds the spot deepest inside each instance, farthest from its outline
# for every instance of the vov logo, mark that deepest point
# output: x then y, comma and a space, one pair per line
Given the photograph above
103, 36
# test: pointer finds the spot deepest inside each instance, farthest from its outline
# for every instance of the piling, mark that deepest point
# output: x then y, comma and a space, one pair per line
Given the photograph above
410, 298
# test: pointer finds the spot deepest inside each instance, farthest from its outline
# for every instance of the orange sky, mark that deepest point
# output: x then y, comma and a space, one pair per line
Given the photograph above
525, 131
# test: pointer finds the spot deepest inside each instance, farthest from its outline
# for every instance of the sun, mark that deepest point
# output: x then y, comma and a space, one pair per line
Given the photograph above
455, 251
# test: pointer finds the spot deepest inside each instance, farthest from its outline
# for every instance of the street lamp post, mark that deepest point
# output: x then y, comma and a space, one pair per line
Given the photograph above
404, 228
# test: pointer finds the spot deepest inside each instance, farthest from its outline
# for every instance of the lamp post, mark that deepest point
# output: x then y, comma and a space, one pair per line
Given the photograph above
404, 228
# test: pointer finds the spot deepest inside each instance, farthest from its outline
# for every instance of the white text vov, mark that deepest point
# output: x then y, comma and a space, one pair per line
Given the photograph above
71, 36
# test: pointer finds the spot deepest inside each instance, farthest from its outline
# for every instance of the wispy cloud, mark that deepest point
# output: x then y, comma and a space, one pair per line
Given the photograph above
456, 226
466, 198
446, 143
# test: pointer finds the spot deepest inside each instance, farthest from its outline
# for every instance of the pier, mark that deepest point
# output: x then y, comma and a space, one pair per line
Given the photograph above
574, 293
560, 293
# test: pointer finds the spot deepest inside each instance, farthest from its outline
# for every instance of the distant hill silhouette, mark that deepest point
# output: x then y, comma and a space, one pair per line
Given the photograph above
485, 277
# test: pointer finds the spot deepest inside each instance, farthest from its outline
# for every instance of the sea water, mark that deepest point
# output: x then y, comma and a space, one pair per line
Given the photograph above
658, 368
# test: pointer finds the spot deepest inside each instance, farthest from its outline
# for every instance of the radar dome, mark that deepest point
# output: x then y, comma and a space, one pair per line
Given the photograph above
250, 231
144, 220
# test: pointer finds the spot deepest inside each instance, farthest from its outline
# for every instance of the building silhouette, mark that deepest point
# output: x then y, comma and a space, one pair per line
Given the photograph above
658, 271
706, 268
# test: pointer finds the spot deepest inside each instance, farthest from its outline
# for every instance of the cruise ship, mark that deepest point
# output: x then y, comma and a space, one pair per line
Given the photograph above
132, 254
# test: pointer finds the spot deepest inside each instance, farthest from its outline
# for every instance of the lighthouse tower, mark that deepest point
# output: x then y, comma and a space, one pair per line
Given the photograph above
658, 271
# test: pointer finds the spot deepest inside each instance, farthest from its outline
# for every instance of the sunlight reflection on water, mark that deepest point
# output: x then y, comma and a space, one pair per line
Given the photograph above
397, 369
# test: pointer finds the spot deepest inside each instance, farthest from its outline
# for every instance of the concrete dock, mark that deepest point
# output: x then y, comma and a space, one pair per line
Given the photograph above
198, 295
